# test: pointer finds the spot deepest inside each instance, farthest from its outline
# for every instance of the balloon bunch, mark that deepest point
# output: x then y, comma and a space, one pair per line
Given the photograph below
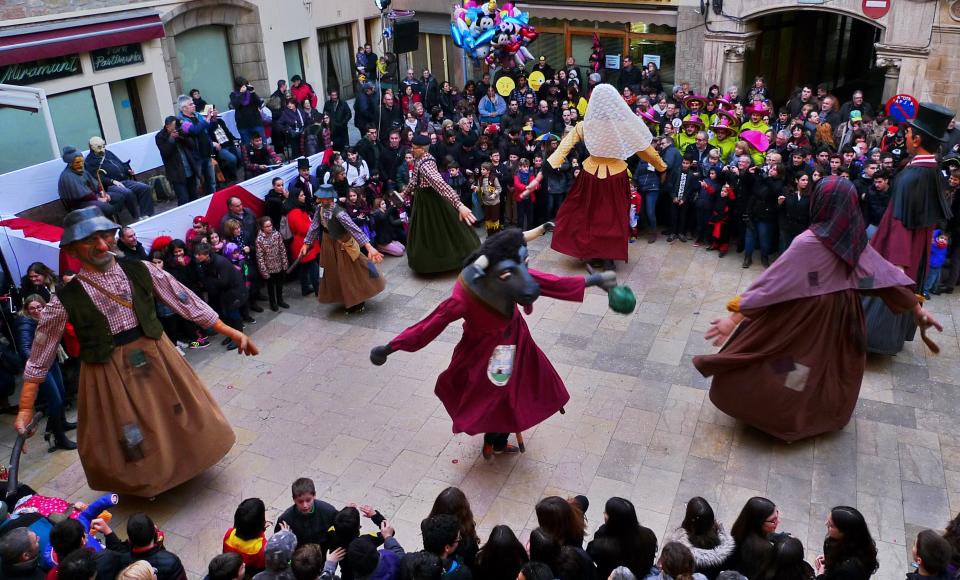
493, 34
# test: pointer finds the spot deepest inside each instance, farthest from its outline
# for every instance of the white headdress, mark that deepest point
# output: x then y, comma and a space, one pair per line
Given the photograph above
610, 128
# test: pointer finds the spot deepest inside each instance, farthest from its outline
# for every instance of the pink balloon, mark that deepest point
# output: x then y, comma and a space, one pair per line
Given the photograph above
470, 4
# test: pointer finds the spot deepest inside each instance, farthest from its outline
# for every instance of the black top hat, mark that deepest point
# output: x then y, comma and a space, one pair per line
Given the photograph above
303, 163
932, 120
83, 223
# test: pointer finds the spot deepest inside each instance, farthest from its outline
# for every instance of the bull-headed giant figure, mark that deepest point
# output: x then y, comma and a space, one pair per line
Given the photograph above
498, 382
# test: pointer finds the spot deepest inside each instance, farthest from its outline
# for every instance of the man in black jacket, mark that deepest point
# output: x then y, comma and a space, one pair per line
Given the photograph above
391, 156
340, 115
20, 555
131, 247
176, 151
630, 76
365, 107
391, 117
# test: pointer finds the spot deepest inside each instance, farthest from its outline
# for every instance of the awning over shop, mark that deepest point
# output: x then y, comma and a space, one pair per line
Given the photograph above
567, 11
53, 39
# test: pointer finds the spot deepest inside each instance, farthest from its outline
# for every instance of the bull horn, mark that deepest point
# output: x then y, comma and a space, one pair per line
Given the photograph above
481, 263
530, 235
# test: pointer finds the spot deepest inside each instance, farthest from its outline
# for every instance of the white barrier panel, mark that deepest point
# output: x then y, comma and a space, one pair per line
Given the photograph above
21, 251
36, 185
175, 222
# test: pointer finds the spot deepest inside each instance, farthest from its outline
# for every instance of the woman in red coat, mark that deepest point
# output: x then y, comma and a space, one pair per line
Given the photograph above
298, 218
498, 382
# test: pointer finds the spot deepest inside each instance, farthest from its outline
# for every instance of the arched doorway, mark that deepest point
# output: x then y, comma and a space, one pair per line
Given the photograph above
811, 46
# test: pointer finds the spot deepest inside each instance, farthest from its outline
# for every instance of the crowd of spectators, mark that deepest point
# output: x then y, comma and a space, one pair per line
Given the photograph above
314, 540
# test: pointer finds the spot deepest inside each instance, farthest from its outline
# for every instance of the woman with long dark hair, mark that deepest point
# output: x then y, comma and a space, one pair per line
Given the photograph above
785, 561
562, 519
849, 552
710, 544
635, 545
502, 556
758, 520
41, 280
52, 391
542, 547
793, 207
452, 501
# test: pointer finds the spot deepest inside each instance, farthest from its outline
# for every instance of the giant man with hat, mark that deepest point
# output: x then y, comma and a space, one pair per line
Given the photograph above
440, 235
139, 400
917, 206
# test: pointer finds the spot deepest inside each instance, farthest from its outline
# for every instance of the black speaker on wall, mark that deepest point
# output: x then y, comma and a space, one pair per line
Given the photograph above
406, 36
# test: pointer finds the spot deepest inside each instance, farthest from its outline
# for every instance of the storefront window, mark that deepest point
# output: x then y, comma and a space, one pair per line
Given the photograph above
550, 45
75, 120
205, 62
656, 50
123, 106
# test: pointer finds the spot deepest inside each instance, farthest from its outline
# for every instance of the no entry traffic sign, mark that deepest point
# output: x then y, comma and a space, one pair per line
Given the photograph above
902, 107
876, 8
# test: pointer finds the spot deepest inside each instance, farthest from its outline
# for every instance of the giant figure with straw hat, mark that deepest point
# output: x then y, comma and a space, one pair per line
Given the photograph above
917, 206
593, 222
499, 382
146, 423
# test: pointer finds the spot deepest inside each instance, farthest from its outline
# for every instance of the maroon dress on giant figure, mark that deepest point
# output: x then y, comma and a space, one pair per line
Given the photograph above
480, 395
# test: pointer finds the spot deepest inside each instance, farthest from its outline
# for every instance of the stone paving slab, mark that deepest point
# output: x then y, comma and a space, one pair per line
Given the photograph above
639, 423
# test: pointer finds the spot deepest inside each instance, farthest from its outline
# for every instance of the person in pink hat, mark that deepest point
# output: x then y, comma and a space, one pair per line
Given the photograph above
759, 143
757, 111
688, 136
725, 130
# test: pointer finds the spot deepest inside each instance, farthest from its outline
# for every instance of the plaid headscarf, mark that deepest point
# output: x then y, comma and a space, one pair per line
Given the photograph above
836, 220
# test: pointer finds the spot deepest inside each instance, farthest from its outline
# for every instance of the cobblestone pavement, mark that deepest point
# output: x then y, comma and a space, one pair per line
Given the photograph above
639, 424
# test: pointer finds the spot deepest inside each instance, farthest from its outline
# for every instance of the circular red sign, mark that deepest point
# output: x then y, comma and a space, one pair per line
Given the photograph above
876, 8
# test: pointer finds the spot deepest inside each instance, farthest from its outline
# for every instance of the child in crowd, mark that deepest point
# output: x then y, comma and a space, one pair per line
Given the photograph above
931, 556
720, 217
458, 182
272, 262
216, 242
488, 190
247, 537
636, 208
358, 211
703, 204
308, 518
938, 256
683, 194
346, 529
525, 185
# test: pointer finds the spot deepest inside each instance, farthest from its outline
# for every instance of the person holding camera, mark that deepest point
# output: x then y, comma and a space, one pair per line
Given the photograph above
179, 164
245, 101
194, 126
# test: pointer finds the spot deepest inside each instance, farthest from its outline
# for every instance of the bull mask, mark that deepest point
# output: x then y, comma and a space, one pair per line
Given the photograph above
504, 285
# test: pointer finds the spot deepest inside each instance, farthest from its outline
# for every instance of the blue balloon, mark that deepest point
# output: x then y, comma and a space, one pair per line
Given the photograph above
486, 37
455, 35
524, 18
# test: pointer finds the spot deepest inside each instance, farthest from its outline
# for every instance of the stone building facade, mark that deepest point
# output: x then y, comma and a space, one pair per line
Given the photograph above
918, 46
